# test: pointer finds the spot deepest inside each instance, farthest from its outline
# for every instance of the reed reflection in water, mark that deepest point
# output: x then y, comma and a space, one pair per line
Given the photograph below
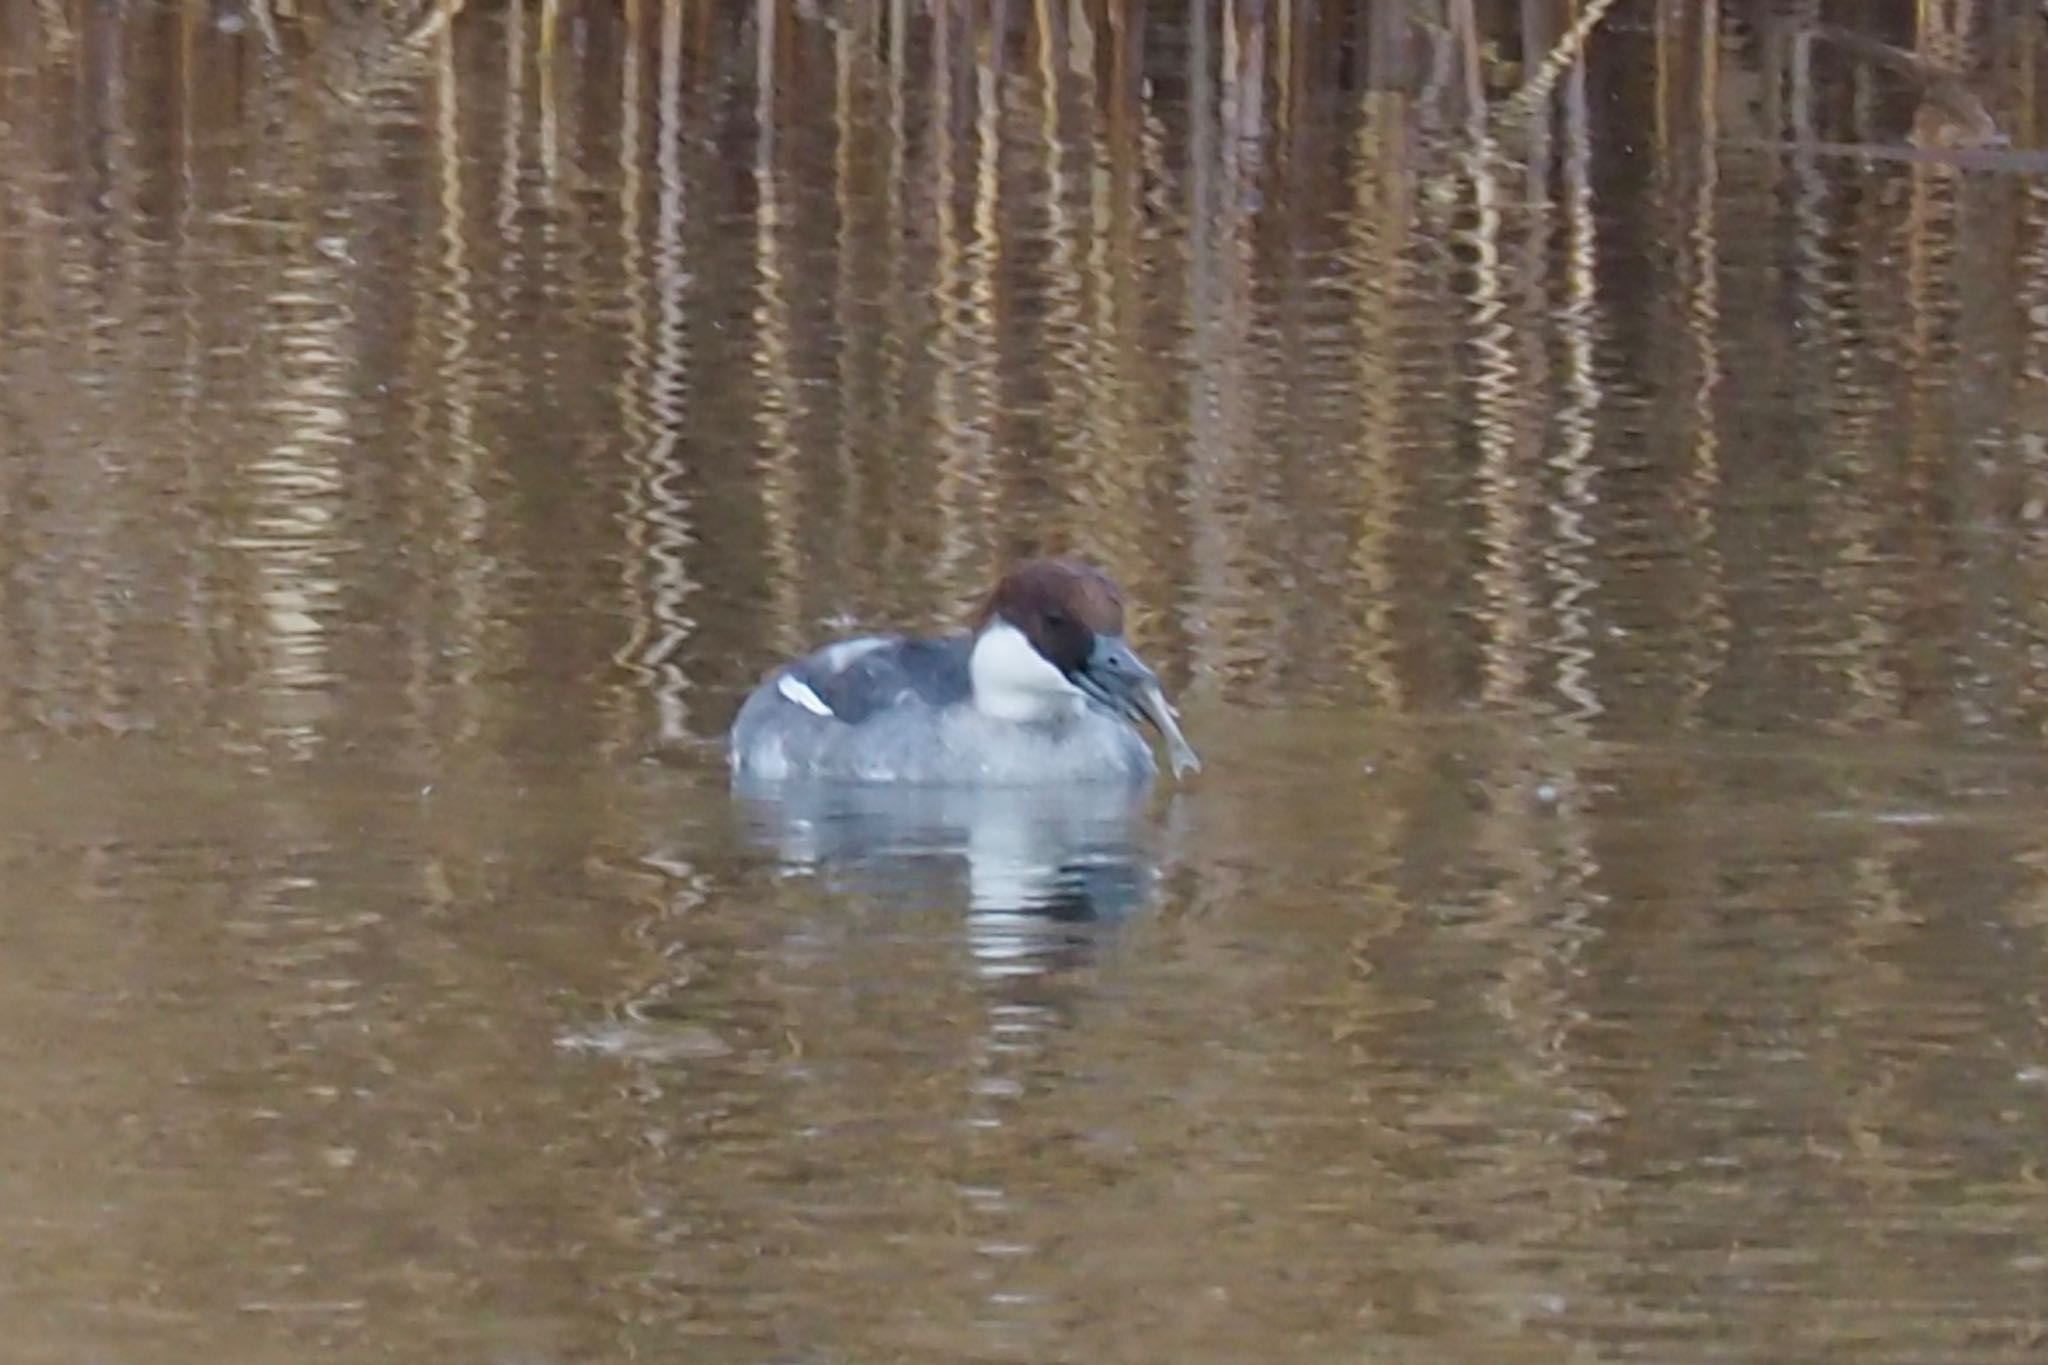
1581, 465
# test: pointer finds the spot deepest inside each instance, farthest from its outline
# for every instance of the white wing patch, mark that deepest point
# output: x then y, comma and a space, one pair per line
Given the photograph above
800, 692
847, 651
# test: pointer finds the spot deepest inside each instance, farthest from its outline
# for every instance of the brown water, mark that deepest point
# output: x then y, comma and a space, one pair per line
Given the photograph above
1594, 514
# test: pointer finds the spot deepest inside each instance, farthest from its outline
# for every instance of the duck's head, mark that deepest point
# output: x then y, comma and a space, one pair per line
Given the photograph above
1050, 639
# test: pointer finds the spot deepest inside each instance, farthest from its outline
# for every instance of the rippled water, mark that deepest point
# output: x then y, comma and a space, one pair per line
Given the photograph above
1593, 511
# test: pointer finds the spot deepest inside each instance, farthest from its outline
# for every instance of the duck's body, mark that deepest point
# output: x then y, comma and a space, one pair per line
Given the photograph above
1041, 689
896, 709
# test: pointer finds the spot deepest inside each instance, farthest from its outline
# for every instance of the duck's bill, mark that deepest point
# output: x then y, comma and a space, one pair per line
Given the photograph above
1153, 706
1119, 681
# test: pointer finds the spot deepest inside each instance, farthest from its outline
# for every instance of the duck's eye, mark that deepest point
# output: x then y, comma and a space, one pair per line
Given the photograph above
1056, 619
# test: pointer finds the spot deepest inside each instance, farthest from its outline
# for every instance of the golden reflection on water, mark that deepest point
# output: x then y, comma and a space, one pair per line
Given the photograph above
976, 316
775, 380
462, 453
1380, 227
1578, 321
658, 506
1591, 509
1708, 627
1230, 640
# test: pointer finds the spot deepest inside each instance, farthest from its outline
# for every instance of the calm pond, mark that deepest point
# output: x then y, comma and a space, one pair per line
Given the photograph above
1582, 470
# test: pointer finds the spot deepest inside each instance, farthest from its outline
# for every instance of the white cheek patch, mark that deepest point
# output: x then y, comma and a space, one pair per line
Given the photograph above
1013, 681
800, 692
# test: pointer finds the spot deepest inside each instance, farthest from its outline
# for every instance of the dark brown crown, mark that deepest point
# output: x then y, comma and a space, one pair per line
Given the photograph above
1060, 605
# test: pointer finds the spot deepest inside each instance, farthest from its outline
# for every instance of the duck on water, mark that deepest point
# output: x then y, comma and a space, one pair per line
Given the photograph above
1041, 688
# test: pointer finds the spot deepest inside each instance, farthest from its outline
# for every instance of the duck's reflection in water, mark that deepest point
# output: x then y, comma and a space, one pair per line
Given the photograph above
1047, 871
1047, 878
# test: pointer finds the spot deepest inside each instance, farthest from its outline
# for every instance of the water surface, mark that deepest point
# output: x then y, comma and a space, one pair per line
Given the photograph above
1590, 509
